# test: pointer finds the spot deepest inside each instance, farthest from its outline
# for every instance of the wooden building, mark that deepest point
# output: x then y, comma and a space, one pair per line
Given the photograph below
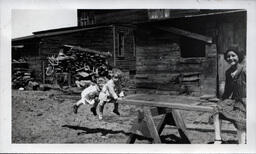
170, 51
38, 47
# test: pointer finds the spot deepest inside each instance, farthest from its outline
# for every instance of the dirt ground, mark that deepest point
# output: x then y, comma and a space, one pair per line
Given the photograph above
47, 117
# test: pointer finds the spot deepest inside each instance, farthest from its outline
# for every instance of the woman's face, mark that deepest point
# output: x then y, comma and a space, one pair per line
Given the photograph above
232, 58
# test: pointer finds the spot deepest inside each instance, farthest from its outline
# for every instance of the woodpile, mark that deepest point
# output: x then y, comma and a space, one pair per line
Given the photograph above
22, 75
84, 65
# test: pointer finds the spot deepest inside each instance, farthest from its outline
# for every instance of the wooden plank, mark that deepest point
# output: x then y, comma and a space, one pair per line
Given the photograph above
179, 122
186, 33
151, 125
166, 104
217, 129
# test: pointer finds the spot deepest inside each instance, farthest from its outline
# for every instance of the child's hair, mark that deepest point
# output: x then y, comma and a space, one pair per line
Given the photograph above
117, 73
237, 51
100, 80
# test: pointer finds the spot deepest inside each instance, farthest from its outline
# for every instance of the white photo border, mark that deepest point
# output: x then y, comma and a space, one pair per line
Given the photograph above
6, 6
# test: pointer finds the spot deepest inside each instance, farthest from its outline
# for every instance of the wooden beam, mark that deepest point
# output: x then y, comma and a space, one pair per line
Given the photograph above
185, 33
89, 50
114, 45
167, 105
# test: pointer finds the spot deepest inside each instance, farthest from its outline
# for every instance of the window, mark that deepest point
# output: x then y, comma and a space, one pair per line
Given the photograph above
120, 44
158, 13
86, 19
191, 48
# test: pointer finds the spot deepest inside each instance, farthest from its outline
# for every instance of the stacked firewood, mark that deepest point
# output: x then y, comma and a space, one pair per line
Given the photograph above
21, 74
83, 64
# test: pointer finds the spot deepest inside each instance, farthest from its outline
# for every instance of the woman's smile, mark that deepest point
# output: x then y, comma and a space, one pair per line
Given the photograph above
232, 58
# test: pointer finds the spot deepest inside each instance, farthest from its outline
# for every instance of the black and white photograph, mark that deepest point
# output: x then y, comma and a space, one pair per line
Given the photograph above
165, 76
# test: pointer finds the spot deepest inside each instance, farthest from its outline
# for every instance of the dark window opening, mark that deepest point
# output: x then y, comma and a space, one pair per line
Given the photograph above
158, 13
86, 19
120, 43
132, 72
191, 48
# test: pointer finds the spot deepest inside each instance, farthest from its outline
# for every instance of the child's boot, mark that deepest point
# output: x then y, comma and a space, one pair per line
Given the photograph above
75, 108
101, 112
116, 109
93, 110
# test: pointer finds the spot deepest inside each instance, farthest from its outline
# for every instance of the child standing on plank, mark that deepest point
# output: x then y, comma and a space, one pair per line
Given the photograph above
109, 93
90, 95
233, 104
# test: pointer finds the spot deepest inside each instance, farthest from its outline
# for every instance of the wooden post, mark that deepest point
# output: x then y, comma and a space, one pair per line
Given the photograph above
69, 79
43, 72
241, 137
114, 45
217, 129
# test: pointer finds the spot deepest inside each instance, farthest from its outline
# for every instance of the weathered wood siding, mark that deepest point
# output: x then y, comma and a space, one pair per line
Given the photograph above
122, 16
128, 61
231, 31
97, 39
160, 66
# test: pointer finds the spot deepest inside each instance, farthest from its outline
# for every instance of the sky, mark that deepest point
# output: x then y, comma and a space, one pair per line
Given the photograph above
25, 22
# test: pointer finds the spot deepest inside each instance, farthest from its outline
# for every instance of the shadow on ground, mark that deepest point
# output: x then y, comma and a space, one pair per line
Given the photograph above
173, 139
103, 131
169, 139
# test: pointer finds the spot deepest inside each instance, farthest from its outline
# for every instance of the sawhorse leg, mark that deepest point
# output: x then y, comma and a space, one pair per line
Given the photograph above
174, 118
146, 126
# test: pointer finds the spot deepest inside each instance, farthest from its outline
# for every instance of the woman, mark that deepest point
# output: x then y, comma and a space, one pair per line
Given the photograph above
233, 104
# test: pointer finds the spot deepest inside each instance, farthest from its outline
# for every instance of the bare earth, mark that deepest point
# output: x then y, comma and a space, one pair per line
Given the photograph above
47, 117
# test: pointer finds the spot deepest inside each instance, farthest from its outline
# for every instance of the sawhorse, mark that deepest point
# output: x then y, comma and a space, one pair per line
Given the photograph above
146, 126
170, 110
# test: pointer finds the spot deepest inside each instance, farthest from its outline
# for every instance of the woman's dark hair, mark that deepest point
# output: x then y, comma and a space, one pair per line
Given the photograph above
237, 51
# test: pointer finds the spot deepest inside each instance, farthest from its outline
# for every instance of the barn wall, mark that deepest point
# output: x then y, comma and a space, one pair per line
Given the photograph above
128, 61
231, 32
124, 16
161, 68
97, 39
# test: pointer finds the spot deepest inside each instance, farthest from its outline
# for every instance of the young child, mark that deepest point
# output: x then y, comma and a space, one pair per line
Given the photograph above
90, 95
109, 93
233, 104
